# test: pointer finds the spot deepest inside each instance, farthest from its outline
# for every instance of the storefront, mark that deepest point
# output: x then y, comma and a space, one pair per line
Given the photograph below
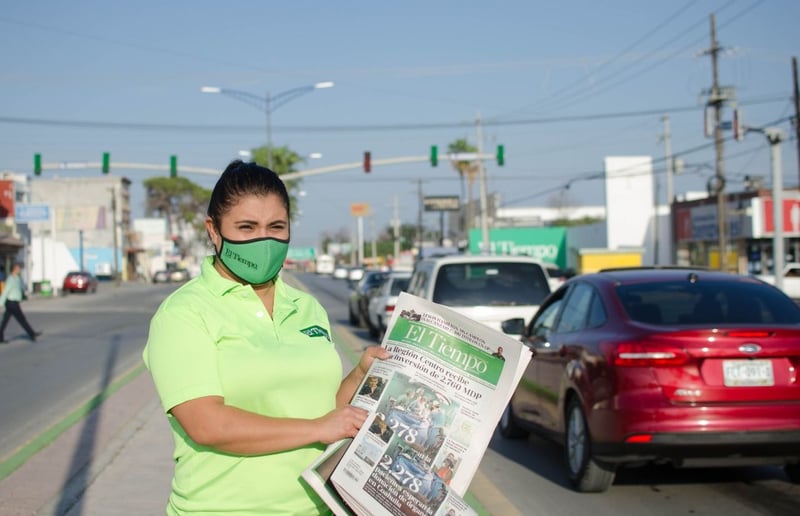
749, 231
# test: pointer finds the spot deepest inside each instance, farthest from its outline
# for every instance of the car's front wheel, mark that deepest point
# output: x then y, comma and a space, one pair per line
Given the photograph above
793, 472
508, 426
585, 473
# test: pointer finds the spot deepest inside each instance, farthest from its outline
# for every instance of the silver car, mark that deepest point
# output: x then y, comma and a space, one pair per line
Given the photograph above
381, 305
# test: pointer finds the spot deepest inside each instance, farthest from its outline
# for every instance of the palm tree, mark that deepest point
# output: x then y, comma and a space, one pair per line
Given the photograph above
180, 201
284, 161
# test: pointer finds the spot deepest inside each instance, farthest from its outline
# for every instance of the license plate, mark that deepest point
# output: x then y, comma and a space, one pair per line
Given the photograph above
747, 373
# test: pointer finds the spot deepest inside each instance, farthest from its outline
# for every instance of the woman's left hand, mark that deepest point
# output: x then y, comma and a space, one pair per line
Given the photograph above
369, 356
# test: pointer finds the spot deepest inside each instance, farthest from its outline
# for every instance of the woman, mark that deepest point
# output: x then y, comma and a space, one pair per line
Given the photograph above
244, 364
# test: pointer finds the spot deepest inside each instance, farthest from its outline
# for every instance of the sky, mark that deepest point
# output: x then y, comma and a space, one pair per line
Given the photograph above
561, 85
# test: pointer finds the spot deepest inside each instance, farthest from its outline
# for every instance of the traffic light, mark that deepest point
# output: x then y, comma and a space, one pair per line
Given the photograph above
37, 164
367, 162
434, 156
501, 155
173, 166
106, 162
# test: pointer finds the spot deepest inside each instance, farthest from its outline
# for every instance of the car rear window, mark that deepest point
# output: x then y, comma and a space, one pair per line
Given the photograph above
398, 285
709, 302
490, 284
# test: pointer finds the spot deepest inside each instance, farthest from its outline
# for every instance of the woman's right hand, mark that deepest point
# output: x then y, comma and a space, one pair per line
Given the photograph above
340, 423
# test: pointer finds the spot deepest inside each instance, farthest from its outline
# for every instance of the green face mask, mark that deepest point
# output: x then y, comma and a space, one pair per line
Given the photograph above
255, 261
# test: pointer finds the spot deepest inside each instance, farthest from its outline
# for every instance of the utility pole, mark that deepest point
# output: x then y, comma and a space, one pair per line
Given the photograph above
775, 137
419, 219
716, 99
668, 159
484, 203
396, 226
667, 138
114, 231
374, 246
796, 112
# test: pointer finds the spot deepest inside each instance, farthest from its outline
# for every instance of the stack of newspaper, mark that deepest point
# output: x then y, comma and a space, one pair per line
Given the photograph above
433, 407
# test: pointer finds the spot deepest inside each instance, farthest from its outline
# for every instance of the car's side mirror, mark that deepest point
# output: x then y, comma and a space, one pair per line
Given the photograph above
514, 326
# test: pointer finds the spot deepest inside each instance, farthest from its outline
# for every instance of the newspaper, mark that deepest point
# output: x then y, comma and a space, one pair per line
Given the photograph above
433, 407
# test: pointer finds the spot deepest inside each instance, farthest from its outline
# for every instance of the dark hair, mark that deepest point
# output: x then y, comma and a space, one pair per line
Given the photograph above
240, 179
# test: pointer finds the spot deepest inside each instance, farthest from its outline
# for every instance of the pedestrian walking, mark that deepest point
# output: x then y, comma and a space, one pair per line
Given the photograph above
12, 297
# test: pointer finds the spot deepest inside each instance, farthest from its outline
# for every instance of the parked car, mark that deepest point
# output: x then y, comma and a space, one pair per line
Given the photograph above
487, 288
684, 366
79, 281
360, 295
381, 305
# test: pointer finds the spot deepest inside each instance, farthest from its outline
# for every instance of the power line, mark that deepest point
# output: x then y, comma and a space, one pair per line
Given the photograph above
620, 80
569, 91
600, 174
89, 124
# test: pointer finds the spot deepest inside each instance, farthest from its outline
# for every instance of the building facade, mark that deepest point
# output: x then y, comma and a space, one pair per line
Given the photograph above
90, 223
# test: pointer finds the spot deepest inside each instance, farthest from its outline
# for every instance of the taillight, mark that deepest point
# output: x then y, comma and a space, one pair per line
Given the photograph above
748, 334
389, 308
636, 354
639, 438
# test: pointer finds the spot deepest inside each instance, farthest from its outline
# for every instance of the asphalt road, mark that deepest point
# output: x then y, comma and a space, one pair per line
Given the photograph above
88, 341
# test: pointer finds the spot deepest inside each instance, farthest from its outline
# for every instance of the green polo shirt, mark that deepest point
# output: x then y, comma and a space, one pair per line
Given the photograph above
213, 337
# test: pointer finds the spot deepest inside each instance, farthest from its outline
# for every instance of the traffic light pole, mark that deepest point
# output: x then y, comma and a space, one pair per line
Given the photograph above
355, 165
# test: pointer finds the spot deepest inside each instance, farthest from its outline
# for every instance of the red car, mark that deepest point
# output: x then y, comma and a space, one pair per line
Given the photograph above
79, 282
684, 366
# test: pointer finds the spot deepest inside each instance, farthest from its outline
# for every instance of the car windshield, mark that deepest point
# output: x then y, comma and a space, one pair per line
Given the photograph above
709, 302
490, 284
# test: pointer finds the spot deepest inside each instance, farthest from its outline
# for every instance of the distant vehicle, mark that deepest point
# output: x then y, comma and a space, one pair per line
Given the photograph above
161, 277
103, 271
178, 275
79, 281
381, 305
325, 264
354, 274
340, 272
683, 366
361, 293
557, 276
791, 280
487, 288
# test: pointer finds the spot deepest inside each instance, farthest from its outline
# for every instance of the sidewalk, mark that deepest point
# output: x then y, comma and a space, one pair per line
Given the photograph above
127, 472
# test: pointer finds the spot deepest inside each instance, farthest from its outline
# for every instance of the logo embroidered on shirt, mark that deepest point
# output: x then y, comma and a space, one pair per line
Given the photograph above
316, 331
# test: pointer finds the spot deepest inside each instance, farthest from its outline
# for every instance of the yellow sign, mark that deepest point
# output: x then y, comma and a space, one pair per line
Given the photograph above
359, 209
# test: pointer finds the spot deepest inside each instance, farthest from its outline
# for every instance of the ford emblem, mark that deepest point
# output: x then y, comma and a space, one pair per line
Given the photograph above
750, 348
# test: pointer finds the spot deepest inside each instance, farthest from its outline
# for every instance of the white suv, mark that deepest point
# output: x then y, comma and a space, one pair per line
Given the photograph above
486, 288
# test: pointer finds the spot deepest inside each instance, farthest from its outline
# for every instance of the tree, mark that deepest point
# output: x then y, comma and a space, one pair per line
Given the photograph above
284, 161
182, 202
468, 169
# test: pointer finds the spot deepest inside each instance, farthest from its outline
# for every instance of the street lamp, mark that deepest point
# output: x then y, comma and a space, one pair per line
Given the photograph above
268, 103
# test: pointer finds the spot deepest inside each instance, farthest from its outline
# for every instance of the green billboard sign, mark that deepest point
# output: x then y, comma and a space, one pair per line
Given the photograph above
548, 245
301, 254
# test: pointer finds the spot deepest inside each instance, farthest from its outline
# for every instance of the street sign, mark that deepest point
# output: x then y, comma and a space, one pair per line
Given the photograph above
24, 213
359, 209
441, 203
